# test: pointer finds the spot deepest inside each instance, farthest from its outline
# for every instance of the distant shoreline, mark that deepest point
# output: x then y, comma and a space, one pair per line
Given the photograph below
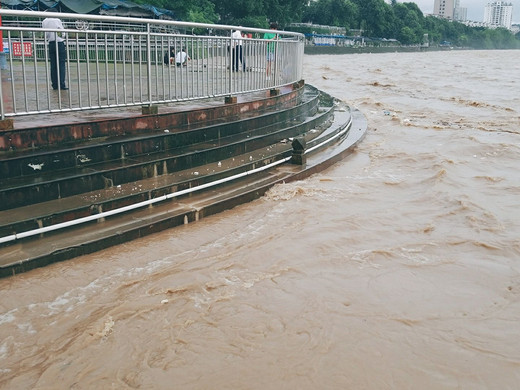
390, 49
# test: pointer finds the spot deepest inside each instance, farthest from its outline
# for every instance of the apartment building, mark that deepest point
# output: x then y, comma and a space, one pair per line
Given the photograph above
444, 8
499, 14
460, 14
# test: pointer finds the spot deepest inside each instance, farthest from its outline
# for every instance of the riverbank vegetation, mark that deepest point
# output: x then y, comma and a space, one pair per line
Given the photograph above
374, 18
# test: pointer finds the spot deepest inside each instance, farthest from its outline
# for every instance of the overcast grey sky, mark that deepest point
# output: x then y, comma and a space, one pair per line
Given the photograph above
475, 8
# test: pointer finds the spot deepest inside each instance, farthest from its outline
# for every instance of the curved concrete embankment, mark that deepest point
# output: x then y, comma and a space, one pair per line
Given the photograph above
243, 176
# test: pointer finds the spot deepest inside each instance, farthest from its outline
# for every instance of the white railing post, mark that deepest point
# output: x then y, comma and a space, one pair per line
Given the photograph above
149, 62
2, 109
230, 57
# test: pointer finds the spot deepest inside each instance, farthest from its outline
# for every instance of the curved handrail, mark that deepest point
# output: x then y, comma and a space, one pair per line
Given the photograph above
119, 61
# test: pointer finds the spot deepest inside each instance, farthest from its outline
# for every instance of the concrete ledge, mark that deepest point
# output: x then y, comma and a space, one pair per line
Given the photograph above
230, 100
6, 124
150, 110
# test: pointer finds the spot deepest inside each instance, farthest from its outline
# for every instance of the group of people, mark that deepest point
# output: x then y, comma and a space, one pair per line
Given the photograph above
179, 59
238, 54
58, 55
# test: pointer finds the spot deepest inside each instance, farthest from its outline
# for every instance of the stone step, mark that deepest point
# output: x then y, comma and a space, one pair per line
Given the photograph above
343, 131
101, 149
61, 183
254, 152
52, 131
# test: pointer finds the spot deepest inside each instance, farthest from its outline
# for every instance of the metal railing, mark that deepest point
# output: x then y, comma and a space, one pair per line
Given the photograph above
108, 68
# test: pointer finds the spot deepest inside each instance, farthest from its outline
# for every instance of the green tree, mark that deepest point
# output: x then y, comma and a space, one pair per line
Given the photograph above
410, 16
402, 21
200, 11
375, 17
407, 36
281, 11
343, 13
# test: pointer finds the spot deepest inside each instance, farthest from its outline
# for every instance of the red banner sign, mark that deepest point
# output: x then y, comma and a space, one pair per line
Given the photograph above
27, 49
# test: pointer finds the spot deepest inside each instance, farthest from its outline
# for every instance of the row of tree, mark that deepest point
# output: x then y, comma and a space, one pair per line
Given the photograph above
375, 18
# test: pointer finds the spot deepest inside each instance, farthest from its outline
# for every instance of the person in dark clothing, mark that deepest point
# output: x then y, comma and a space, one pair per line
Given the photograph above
169, 56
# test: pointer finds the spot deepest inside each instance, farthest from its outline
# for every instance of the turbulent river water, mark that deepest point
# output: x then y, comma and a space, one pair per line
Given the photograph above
398, 268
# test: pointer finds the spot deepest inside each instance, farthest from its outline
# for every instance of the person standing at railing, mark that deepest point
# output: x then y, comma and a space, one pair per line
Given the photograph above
271, 48
238, 56
57, 52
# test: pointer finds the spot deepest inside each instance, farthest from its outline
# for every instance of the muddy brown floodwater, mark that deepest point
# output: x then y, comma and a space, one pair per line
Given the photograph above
397, 268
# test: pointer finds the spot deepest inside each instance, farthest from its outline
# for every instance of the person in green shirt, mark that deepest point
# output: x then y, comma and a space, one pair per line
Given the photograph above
271, 47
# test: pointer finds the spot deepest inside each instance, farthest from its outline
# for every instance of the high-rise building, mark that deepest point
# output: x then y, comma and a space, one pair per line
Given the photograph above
460, 14
444, 8
498, 14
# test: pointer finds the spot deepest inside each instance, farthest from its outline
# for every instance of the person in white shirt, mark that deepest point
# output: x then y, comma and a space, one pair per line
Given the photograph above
182, 58
238, 57
57, 52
